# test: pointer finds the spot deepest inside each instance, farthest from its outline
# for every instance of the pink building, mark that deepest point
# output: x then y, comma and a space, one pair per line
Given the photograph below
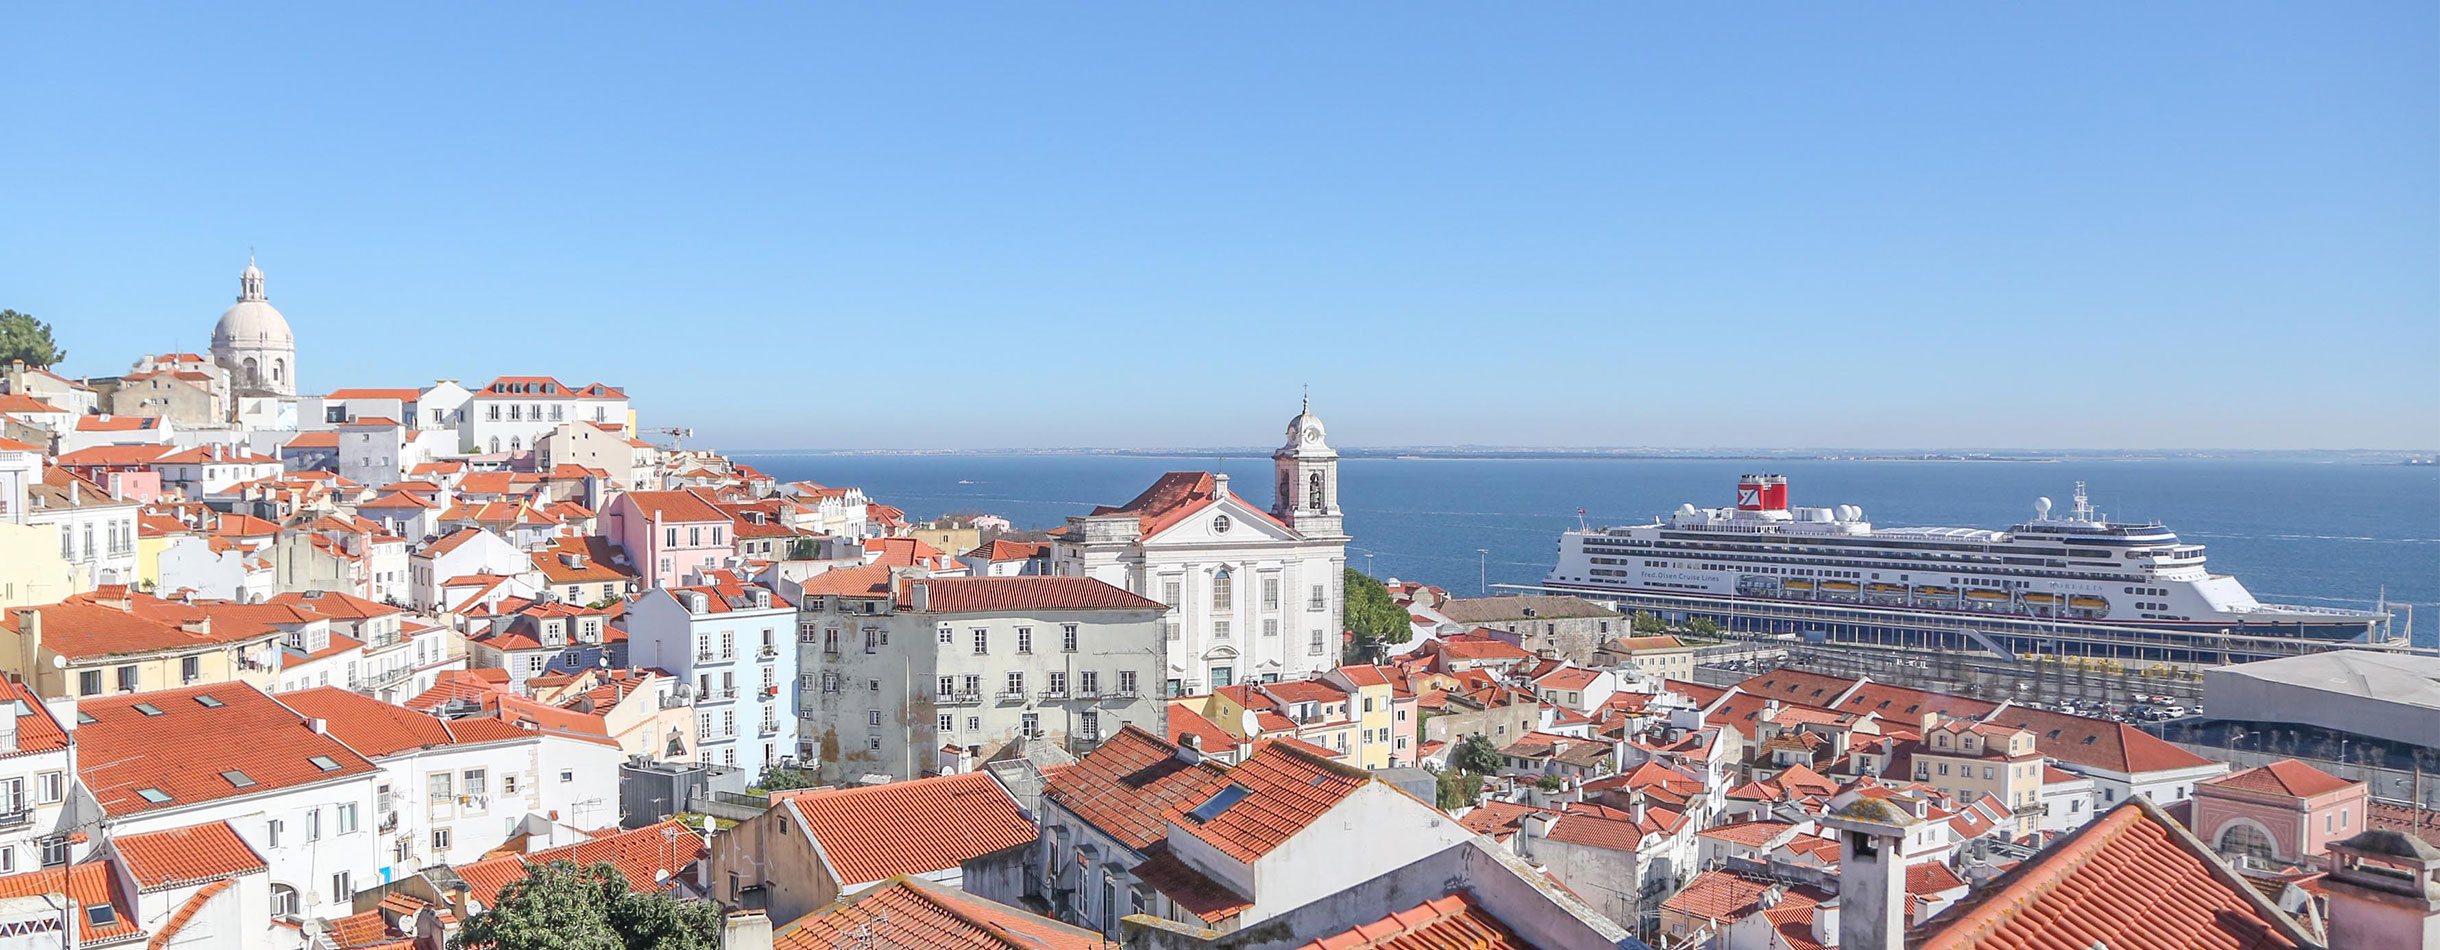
2286, 812
670, 535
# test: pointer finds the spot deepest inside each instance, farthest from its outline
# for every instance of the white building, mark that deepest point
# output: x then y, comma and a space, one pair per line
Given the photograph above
1255, 595
907, 675
467, 552
38, 804
97, 532
729, 640
515, 412
452, 789
229, 752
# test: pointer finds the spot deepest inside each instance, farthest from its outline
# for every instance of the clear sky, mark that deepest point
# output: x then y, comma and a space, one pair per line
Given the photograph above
1147, 224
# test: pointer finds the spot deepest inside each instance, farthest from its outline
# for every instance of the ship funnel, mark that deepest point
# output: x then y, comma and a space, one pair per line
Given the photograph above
1762, 493
1749, 493
2041, 508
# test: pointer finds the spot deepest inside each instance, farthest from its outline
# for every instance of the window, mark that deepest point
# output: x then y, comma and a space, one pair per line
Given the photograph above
1059, 683
1031, 724
1067, 637
1270, 593
982, 641
872, 718
2244, 840
1316, 647
1088, 682
1025, 639
948, 685
974, 684
873, 743
728, 645
948, 723
1224, 590
872, 640
440, 839
1088, 724
566, 776
283, 897
127, 679
347, 818
313, 825
477, 782
947, 636
1169, 592
669, 538
1270, 626
88, 682
54, 851
1126, 681
1016, 681
508, 785
271, 831
1318, 599
1219, 629
341, 886
50, 787
190, 668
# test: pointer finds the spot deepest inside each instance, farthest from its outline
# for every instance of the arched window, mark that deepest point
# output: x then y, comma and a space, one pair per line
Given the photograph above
254, 373
516, 443
1313, 492
495, 445
1223, 590
279, 370
2243, 839
283, 900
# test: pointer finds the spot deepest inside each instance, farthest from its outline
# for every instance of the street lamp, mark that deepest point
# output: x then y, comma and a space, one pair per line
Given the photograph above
1482, 583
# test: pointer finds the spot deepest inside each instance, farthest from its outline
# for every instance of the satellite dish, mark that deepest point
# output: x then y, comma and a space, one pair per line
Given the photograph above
2041, 508
660, 876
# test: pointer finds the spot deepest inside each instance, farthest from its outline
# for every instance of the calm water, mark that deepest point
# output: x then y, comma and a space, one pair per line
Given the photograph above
2296, 532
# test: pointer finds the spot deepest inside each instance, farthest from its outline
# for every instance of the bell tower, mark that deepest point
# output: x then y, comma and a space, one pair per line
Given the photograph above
1307, 470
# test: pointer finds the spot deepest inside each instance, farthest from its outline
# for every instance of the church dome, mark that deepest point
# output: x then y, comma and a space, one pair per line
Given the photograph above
1306, 429
252, 323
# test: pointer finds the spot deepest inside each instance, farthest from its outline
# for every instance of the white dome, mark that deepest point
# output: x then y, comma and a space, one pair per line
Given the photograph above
1305, 432
253, 324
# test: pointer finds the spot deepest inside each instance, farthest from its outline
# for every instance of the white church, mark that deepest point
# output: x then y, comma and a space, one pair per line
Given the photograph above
1254, 595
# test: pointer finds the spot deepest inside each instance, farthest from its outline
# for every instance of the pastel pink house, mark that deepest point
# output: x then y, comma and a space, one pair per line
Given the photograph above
2283, 813
670, 535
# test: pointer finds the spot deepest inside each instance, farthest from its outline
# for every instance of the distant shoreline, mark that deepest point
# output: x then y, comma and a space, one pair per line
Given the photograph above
2363, 457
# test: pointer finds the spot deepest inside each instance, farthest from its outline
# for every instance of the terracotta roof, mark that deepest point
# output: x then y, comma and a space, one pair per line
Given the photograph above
81, 630
1447, 922
878, 832
1567, 677
1287, 785
316, 439
89, 884
1931, 877
181, 754
1173, 498
1001, 550
402, 395
20, 402
186, 912
919, 915
1191, 890
189, 855
979, 594
2286, 777
36, 730
1725, 895
2098, 743
638, 855
867, 581
377, 729
1752, 834
2130, 880
1133, 784
1184, 721
1481, 648
673, 506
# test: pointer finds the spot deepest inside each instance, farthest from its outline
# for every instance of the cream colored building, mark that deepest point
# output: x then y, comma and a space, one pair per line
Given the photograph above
1970, 759
31, 570
90, 649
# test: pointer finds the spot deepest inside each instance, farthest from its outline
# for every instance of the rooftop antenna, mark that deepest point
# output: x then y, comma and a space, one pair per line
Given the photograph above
1308, 406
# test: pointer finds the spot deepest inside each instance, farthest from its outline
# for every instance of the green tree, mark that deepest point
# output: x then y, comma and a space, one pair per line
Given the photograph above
1371, 615
1645, 624
1550, 783
779, 779
24, 338
1703, 627
1476, 754
1457, 789
560, 906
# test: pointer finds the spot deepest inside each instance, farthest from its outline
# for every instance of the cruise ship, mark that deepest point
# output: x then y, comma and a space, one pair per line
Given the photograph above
2058, 578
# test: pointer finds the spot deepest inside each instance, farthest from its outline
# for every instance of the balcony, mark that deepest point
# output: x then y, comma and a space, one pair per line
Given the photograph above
718, 695
1091, 693
956, 699
767, 653
705, 656
1122, 694
1011, 696
389, 822
16, 816
1054, 694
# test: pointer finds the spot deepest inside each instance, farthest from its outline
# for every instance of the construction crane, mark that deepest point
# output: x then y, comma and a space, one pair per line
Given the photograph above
676, 435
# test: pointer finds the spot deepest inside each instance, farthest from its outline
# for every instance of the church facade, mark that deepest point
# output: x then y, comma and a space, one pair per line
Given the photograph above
1254, 594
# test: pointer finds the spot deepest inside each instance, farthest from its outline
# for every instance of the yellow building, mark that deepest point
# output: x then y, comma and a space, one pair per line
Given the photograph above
1971, 759
1385, 728
31, 570
93, 648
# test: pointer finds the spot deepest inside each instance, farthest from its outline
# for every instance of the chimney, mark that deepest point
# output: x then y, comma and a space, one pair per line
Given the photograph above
29, 641
1825, 923
1219, 484
1537, 824
921, 595
2382, 892
1871, 871
1635, 805
1190, 748
746, 930
320, 727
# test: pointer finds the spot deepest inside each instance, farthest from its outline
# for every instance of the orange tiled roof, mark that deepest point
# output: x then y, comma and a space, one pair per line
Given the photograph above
672, 507
1173, 498
1288, 785
180, 754
1193, 891
1447, 922
2286, 777
89, 884
921, 915
182, 856
2130, 880
638, 855
1724, 895
878, 832
1133, 784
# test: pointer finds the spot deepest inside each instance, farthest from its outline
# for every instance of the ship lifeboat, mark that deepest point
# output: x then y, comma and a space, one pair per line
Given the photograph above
2040, 599
1886, 588
2089, 603
1934, 592
1795, 584
1839, 587
1987, 596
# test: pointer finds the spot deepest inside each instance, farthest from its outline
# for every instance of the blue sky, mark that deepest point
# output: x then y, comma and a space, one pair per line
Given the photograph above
938, 225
